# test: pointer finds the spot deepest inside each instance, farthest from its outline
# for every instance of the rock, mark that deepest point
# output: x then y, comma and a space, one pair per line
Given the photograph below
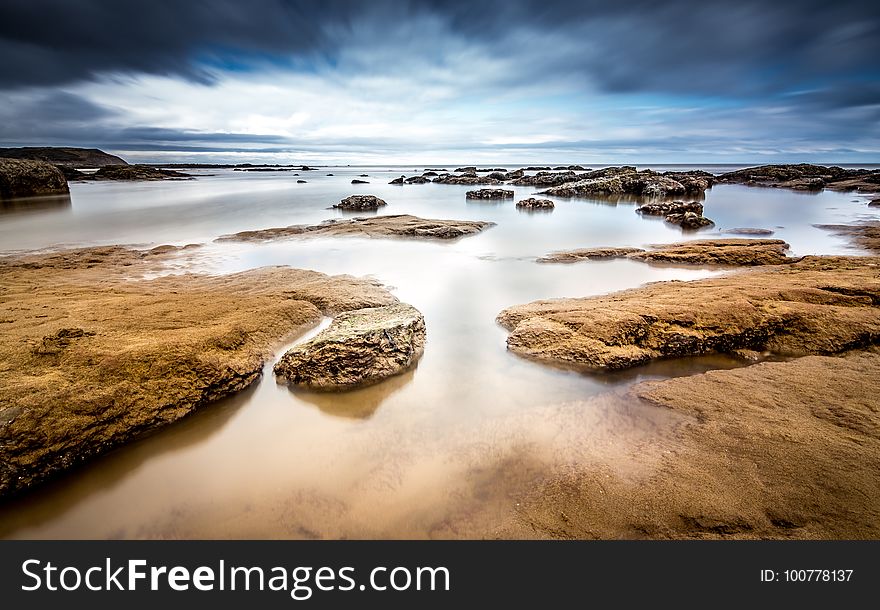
365, 176
748, 231
535, 204
694, 181
573, 256
818, 305
356, 181
417, 180
24, 178
401, 225
518, 173
471, 179
329, 174
665, 208
469, 169
359, 348
865, 235
534, 168
492, 169
306, 168
689, 221
574, 168
489, 194
874, 203
135, 172
726, 252
429, 173
301, 182
360, 203
115, 358
435, 169
619, 181
86, 158
497, 176
805, 176
398, 180
546, 179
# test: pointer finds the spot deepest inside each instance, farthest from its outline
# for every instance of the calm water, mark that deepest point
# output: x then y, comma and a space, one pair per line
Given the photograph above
441, 451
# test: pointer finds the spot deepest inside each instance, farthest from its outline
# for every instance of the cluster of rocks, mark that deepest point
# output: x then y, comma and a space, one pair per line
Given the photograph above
625, 180
806, 177
533, 203
129, 172
687, 215
489, 194
360, 203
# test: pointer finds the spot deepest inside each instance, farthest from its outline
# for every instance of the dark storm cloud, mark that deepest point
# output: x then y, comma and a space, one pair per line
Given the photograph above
742, 48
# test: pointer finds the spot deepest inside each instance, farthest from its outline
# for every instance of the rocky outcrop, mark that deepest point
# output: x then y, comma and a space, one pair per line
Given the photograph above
620, 181
665, 208
819, 305
489, 194
398, 181
22, 178
582, 254
574, 168
135, 172
470, 169
713, 252
689, 221
401, 225
361, 203
109, 359
356, 181
301, 182
546, 179
87, 158
533, 203
874, 203
694, 182
359, 348
467, 179
804, 176
417, 180
865, 235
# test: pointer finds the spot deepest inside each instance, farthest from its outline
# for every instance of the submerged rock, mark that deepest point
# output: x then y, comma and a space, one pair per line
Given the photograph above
818, 305
533, 203
748, 231
727, 252
573, 256
359, 348
356, 181
400, 225
25, 178
360, 203
417, 180
489, 194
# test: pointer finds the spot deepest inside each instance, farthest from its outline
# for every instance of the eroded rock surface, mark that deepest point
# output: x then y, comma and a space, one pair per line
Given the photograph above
532, 203
819, 305
489, 194
359, 348
400, 225
805, 176
360, 202
28, 178
722, 252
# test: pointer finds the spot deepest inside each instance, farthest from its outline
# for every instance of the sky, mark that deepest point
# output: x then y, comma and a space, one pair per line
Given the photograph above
381, 82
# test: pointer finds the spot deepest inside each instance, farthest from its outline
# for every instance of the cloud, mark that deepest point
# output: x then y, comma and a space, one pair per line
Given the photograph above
361, 79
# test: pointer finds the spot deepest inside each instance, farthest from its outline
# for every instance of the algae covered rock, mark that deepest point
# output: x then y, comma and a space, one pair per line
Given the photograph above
359, 348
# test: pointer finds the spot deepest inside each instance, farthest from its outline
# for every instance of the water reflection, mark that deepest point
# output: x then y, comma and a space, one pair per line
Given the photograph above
360, 403
35, 205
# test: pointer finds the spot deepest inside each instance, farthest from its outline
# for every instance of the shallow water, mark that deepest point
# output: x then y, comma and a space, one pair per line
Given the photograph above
441, 451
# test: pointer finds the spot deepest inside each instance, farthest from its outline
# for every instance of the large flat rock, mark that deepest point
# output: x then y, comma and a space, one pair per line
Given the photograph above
819, 305
92, 357
732, 252
359, 348
400, 225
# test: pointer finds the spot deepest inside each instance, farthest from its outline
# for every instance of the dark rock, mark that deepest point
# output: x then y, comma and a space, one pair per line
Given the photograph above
135, 172
469, 179
469, 168
546, 179
664, 208
301, 182
805, 176
492, 169
417, 180
360, 202
365, 176
356, 181
429, 173
874, 203
25, 178
623, 180
574, 168
490, 194
329, 174
535, 204
537, 169
88, 158
689, 220
398, 180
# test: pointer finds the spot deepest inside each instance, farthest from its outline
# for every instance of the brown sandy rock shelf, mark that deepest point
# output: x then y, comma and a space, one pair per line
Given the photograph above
91, 359
773, 450
723, 252
865, 235
359, 348
819, 305
402, 225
